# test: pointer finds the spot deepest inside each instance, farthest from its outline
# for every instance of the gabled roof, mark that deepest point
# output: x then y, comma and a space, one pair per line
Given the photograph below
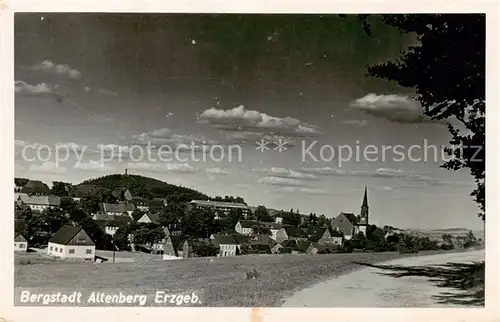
293, 231
262, 239
155, 219
42, 200
116, 207
317, 234
350, 216
64, 235
19, 238
302, 245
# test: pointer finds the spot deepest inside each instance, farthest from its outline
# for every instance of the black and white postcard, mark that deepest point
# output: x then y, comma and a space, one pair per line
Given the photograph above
182, 158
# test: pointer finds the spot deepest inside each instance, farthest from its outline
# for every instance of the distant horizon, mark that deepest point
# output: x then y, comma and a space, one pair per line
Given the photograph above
273, 208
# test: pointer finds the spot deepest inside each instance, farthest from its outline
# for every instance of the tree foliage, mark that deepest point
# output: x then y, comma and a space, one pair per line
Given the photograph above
446, 69
262, 214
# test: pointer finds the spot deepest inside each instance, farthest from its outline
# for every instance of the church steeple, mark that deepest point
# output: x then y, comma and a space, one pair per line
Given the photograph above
364, 209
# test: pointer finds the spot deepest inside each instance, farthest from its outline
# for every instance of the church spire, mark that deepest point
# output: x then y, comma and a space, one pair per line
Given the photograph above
365, 199
364, 209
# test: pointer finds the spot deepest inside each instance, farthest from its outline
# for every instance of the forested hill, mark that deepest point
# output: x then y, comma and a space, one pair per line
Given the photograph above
144, 187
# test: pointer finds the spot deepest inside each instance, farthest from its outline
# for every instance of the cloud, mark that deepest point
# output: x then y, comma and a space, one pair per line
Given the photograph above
39, 90
166, 137
278, 181
248, 137
59, 69
383, 173
48, 167
313, 191
242, 120
285, 173
384, 188
217, 171
393, 107
89, 89
93, 165
161, 167
355, 122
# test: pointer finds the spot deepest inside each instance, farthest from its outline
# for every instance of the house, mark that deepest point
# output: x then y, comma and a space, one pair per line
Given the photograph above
39, 203
71, 242
110, 223
346, 223
278, 219
141, 204
262, 239
223, 208
273, 227
150, 205
246, 227
326, 236
20, 243
149, 218
116, 209
227, 244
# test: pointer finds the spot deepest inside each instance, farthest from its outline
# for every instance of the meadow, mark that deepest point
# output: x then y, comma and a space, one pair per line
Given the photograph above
220, 281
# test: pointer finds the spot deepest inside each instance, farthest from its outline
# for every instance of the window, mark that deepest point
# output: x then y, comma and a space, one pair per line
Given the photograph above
21, 245
51, 248
60, 250
71, 251
88, 251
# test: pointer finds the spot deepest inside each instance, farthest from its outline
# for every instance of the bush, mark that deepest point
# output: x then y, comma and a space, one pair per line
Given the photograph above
447, 247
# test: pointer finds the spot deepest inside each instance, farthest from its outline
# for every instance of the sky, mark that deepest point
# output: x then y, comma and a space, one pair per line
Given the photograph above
264, 99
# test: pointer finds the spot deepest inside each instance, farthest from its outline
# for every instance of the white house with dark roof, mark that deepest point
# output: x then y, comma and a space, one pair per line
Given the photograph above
20, 243
116, 209
39, 203
71, 242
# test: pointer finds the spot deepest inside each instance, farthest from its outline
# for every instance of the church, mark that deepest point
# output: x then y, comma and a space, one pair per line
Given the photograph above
349, 224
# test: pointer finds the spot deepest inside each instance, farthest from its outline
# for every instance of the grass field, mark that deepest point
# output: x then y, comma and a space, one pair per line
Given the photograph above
222, 281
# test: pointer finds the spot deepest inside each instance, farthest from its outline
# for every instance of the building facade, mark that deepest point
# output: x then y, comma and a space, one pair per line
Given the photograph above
20, 243
71, 242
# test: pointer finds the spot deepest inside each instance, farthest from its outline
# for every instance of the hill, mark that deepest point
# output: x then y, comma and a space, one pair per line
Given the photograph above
143, 187
438, 233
